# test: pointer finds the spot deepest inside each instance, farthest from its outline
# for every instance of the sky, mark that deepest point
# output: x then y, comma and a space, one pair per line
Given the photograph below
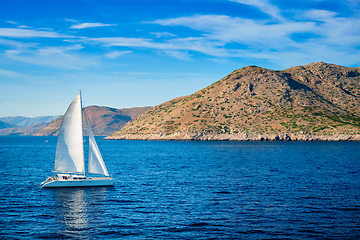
138, 53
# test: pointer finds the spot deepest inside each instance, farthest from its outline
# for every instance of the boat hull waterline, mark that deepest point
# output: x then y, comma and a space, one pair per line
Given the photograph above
89, 182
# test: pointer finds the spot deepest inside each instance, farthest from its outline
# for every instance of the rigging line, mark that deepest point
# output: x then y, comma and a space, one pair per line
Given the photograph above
97, 142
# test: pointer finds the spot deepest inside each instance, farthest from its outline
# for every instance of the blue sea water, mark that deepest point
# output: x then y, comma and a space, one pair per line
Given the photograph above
186, 190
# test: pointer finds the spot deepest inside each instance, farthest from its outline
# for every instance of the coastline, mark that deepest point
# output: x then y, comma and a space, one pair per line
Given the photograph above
236, 137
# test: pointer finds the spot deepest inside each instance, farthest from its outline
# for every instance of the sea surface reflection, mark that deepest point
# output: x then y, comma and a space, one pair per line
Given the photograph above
79, 210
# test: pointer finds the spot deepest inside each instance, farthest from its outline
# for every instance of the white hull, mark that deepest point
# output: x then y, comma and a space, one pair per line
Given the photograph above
88, 182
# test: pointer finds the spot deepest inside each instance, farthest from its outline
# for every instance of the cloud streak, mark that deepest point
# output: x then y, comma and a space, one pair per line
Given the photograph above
12, 74
200, 44
58, 57
116, 54
90, 25
264, 6
30, 33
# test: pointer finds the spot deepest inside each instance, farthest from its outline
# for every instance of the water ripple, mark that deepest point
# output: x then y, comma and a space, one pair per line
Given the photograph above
187, 190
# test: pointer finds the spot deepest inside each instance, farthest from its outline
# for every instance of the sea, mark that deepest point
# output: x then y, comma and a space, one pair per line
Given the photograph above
186, 190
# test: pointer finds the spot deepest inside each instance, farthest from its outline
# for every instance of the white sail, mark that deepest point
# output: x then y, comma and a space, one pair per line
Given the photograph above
69, 150
96, 162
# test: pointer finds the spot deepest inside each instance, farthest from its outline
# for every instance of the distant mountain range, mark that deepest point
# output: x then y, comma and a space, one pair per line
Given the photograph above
5, 125
104, 120
23, 125
20, 121
318, 101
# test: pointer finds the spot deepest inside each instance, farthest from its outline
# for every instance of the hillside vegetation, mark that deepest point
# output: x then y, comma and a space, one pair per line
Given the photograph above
318, 101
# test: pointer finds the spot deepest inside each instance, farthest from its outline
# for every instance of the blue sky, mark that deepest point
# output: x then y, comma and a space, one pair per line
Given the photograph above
144, 52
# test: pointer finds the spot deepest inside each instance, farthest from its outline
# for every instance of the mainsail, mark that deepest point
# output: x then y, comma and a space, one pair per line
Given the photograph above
96, 162
69, 150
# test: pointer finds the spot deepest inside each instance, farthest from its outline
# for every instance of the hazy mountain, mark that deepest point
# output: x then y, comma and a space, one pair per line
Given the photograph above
104, 120
4, 125
23, 131
24, 125
21, 121
318, 101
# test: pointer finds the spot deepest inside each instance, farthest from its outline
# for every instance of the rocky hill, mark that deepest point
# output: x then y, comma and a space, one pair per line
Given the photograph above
318, 101
104, 120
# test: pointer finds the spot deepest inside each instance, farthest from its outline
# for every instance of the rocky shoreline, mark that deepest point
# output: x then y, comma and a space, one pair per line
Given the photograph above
236, 137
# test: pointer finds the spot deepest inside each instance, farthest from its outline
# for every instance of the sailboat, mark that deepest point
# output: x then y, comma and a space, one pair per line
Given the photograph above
69, 157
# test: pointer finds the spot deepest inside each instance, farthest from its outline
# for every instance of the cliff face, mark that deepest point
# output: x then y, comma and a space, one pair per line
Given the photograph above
104, 120
318, 101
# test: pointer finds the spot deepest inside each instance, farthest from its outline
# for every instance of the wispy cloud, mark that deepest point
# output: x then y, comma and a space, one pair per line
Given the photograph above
71, 20
23, 26
200, 44
58, 57
264, 6
223, 36
315, 14
219, 30
353, 3
90, 25
16, 44
219, 36
30, 33
183, 55
124, 42
163, 34
334, 31
116, 54
236, 29
12, 74
301, 35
